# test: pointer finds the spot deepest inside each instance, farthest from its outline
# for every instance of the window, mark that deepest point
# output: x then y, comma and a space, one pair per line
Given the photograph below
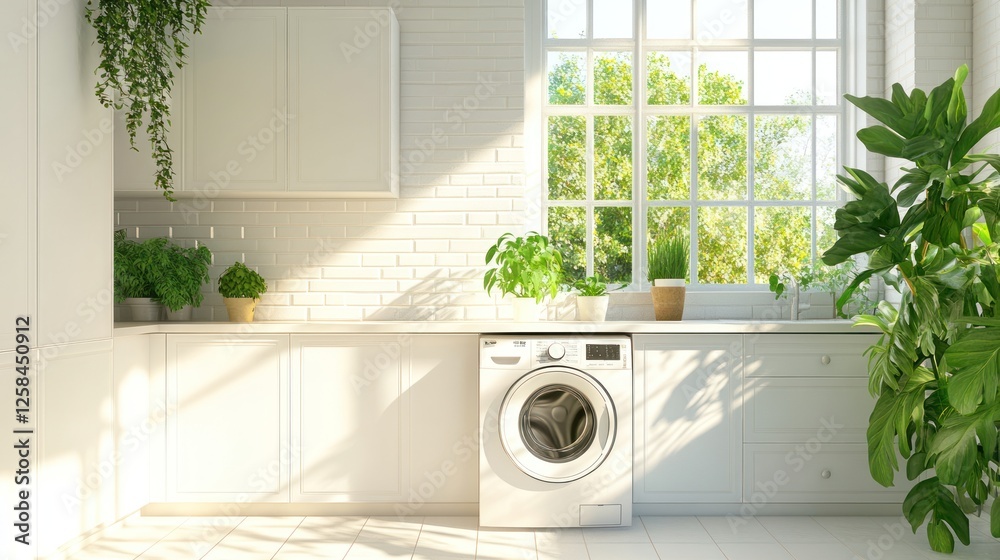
720, 120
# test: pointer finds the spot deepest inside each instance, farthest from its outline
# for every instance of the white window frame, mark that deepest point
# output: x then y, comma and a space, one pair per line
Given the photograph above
852, 78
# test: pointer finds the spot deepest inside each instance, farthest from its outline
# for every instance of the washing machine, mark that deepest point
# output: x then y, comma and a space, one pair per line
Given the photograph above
555, 427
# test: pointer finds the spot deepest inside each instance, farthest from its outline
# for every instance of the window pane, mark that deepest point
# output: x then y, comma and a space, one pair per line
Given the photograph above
782, 19
826, 19
613, 158
722, 245
613, 78
826, 236
782, 240
782, 78
668, 158
668, 19
670, 221
612, 19
567, 78
722, 157
826, 157
567, 153
782, 157
826, 78
721, 19
668, 78
613, 244
722, 78
567, 227
567, 19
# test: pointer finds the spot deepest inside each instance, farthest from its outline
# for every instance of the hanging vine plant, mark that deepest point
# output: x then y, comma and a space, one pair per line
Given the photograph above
141, 42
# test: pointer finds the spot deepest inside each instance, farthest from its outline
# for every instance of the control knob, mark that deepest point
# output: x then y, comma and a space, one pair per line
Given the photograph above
556, 351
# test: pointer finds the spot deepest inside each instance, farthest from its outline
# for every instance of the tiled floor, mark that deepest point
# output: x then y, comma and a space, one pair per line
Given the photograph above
429, 538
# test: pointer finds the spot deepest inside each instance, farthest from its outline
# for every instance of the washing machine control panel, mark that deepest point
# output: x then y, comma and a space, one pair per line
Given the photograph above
598, 352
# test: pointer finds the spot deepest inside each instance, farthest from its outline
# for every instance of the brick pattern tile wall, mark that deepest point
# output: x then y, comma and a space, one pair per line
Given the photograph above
985, 60
462, 164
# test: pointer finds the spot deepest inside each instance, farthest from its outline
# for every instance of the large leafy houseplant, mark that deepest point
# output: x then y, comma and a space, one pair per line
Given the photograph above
141, 42
181, 284
527, 267
936, 369
138, 266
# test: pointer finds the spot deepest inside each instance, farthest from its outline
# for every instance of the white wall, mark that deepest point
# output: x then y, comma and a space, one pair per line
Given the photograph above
985, 61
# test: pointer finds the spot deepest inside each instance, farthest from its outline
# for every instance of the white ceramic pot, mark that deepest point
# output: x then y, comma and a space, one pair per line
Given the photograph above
591, 308
527, 310
144, 309
182, 314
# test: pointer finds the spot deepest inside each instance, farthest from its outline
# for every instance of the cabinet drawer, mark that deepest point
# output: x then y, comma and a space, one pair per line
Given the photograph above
807, 355
799, 409
814, 472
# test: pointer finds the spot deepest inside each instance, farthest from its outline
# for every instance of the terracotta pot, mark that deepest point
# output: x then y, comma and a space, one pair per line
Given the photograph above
240, 309
668, 302
591, 308
144, 309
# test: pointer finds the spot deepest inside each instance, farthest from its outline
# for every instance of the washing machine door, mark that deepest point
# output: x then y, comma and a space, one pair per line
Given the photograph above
557, 424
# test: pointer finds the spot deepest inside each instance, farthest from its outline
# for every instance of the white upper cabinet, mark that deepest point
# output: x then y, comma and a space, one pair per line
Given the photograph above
300, 102
343, 90
234, 96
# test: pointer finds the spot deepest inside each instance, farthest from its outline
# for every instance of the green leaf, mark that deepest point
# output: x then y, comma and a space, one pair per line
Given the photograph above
940, 537
881, 140
882, 110
975, 364
916, 465
931, 497
954, 447
956, 105
987, 121
995, 519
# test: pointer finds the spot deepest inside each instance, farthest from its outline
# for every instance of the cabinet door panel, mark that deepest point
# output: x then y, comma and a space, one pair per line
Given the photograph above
796, 409
688, 430
808, 355
235, 114
227, 418
349, 442
340, 77
815, 472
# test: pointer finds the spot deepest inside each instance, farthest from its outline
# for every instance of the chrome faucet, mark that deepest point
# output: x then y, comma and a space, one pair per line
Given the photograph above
793, 287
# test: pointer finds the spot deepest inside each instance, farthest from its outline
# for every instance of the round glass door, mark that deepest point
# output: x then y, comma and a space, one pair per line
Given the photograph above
557, 425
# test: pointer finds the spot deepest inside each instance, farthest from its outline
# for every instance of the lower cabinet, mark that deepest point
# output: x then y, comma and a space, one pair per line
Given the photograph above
227, 418
688, 422
384, 418
806, 407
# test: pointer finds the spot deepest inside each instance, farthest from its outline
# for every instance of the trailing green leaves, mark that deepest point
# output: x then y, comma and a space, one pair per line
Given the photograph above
526, 266
141, 43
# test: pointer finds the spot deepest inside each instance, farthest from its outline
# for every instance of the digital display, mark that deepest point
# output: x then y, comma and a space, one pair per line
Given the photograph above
603, 352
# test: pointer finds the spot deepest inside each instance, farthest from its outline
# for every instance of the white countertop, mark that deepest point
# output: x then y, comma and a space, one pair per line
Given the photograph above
832, 326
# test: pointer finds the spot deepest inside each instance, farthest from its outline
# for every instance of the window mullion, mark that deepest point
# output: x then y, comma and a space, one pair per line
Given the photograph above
639, 96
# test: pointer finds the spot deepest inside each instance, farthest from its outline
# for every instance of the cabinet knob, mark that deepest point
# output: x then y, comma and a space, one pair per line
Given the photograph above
825, 360
826, 473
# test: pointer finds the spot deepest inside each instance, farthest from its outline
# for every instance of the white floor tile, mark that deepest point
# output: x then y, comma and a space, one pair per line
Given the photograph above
619, 551
636, 533
524, 538
193, 539
885, 550
128, 538
310, 550
689, 551
676, 530
736, 529
255, 538
821, 551
564, 551
796, 530
974, 551
497, 551
378, 551
391, 530
755, 551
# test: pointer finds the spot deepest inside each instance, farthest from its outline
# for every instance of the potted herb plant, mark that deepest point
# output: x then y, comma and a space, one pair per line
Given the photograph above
935, 369
528, 267
241, 289
138, 265
179, 289
591, 298
668, 270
